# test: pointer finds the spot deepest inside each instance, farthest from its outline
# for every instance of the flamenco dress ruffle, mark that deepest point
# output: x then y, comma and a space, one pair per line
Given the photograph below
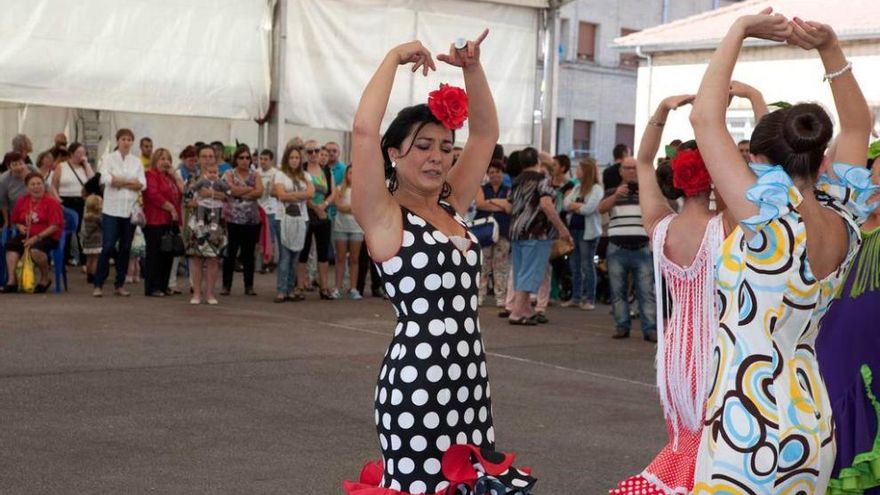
469, 471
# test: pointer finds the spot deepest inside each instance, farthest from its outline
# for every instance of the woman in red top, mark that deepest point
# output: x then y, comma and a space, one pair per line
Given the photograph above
162, 199
39, 220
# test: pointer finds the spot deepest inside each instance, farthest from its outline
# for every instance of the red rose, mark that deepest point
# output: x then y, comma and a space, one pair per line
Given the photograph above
689, 173
450, 105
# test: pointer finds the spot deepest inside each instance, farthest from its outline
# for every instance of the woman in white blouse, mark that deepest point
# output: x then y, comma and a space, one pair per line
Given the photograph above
68, 181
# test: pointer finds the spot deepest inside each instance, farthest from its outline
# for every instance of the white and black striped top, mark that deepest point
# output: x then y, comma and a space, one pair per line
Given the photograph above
625, 226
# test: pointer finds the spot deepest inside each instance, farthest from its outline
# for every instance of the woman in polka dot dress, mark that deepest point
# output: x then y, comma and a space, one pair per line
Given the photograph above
432, 407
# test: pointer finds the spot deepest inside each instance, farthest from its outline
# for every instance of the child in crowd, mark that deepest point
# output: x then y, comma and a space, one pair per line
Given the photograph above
138, 252
90, 234
209, 209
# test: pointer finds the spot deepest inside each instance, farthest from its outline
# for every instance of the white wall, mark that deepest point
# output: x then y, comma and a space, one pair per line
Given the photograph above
792, 80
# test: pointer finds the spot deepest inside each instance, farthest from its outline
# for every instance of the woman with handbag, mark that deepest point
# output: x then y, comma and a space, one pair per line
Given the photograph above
39, 220
162, 200
68, 181
320, 226
492, 203
293, 189
534, 226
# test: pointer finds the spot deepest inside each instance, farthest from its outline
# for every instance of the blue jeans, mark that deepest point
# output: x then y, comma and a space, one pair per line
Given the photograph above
639, 263
583, 269
286, 270
115, 230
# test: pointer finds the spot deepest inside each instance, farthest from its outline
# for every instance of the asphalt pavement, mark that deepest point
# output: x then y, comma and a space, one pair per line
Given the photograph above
149, 395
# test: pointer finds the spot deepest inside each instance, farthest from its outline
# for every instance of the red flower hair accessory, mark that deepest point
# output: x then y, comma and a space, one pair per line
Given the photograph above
689, 173
450, 105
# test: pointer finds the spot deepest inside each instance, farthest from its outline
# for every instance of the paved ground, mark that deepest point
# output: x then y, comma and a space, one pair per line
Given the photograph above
155, 396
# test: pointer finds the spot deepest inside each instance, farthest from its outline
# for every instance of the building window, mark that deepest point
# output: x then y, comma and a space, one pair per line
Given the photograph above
587, 41
581, 142
740, 124
629, 60
624, 134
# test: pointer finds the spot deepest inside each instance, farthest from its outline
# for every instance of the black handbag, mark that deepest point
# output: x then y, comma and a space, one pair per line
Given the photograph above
171, 243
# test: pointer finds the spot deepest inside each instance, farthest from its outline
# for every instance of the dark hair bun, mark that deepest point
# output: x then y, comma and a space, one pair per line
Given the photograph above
806, 127
664, 180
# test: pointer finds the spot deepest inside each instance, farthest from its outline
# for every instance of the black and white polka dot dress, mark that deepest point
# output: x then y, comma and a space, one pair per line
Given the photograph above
433, 389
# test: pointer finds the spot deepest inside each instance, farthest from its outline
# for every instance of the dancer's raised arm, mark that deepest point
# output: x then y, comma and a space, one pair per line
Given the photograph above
755, 97
731, 177
371, 202
651, 200
483, 131
852, 109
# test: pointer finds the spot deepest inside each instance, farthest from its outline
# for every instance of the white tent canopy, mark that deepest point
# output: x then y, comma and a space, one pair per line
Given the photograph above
200, 57
200, 70
333, 48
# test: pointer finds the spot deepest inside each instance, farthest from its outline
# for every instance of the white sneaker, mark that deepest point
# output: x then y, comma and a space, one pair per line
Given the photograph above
334, 293
98, 292
355, 295
587, 306
566, 303
195, 301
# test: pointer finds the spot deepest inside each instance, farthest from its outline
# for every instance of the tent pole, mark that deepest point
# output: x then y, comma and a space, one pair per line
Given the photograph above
551, 79
275, 134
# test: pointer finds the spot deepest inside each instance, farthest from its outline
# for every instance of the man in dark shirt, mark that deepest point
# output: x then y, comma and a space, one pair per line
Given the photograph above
611, 175
629, 254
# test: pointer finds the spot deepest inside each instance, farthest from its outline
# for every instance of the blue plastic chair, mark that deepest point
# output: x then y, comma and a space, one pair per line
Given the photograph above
8, 233
71, 220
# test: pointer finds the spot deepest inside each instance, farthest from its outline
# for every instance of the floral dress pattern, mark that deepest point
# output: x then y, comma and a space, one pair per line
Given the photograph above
768, 426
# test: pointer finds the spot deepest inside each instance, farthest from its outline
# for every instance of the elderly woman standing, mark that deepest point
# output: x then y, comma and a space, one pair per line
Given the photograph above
162, 200
39, 220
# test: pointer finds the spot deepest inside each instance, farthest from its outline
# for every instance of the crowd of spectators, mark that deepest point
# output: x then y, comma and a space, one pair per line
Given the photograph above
180, 225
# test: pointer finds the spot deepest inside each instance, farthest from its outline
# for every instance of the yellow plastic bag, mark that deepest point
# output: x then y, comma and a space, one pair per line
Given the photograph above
27, 280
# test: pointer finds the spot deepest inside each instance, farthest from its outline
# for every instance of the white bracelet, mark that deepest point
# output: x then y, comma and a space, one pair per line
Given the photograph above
830, 77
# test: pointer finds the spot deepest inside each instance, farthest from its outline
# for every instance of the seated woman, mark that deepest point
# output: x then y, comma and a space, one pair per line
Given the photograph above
39, 220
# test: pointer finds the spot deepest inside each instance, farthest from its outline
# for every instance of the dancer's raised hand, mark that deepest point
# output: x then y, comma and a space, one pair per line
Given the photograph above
677, 101
415, 53
464, 56
809, 34
766, 25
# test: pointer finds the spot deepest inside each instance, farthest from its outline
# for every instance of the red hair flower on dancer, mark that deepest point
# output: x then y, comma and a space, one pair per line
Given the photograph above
689, 173
450, 105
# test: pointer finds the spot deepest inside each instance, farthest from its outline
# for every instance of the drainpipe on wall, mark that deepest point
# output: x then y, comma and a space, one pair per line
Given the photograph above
664, 15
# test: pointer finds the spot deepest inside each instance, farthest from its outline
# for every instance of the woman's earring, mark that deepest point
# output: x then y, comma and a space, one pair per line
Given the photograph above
446, 191
392, 180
